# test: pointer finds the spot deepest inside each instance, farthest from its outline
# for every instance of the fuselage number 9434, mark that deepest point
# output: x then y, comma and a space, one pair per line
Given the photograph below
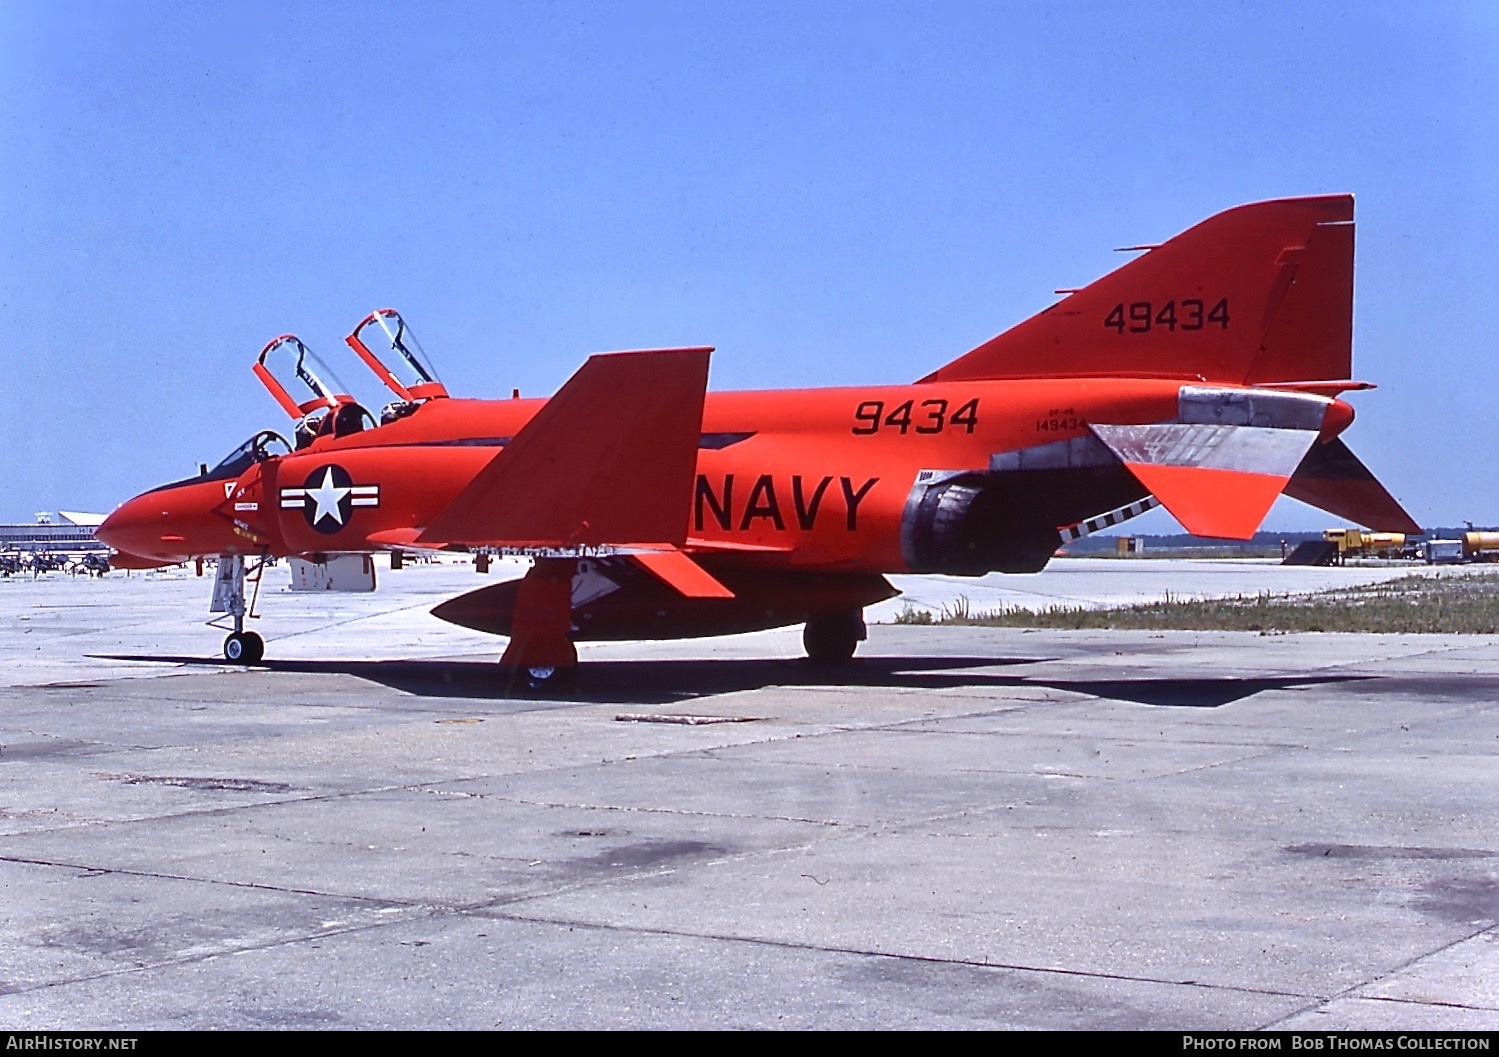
1191, 313
910, 416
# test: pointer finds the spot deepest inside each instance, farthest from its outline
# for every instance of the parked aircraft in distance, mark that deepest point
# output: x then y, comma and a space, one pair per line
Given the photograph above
1205, 376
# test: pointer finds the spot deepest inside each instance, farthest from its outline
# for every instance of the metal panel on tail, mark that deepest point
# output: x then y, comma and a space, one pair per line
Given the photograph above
1216, 480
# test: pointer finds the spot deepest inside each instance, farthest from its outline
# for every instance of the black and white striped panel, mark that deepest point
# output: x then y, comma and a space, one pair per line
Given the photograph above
1114, 517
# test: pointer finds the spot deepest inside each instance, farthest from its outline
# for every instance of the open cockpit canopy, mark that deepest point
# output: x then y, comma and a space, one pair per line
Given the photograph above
386, 345
327, 409
286, 357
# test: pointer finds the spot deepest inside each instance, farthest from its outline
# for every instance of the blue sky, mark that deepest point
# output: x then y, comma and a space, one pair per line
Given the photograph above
827, 193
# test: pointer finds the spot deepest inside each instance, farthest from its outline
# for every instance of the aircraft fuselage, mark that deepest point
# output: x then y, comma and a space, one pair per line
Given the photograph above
804, 478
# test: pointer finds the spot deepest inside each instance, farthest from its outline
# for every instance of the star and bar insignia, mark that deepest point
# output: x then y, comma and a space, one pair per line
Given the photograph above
328, 497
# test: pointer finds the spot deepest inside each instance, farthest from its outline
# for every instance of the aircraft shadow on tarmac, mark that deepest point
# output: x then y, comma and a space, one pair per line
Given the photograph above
648, 682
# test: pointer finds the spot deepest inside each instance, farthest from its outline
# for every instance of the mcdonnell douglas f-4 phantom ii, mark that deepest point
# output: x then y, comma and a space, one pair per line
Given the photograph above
1203, 376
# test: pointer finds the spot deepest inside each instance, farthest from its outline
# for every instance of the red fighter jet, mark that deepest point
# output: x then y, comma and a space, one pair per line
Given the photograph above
1203, 376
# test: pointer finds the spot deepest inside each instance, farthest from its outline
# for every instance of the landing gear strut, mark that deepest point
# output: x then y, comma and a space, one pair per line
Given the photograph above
541, 655
832, 640
241, 647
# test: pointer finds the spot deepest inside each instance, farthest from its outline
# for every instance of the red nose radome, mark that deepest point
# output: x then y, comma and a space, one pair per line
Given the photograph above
172, 523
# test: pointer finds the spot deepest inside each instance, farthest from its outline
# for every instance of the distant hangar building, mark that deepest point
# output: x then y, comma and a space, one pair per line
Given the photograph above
44, 544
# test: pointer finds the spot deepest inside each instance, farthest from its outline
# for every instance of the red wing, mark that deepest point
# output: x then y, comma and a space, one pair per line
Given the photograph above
611, 459
685, 576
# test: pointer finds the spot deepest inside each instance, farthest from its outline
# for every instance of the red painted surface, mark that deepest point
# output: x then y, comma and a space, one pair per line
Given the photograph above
1251, 257
763, 487
575, 475
543, 613
1210, 502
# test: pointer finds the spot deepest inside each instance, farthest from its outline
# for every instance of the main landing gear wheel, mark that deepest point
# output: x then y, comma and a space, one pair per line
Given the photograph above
244, 647
832, 640
548, 678
538, 677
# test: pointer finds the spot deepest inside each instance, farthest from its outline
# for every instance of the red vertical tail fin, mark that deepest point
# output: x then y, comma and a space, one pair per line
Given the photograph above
1260, 293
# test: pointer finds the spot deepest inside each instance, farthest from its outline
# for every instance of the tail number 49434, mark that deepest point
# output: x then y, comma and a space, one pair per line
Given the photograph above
1140, 317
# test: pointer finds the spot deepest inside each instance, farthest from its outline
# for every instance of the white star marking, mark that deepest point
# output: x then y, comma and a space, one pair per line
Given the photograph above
327, 496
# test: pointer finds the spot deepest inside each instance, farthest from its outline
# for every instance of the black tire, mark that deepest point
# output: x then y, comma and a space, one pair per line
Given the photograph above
547, 678
832, 640
537, 679
254, 648
244, 647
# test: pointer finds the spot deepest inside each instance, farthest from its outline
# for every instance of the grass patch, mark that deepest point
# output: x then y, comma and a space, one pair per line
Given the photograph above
1460, 604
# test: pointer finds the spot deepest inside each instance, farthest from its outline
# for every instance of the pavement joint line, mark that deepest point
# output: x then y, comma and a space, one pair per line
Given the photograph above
920, 726
903, 725
319, 628
1352, 991
227, 809
1486, 930
386, 901
101, 871
205, 956
1267, 753
1310, 1007
423, 910
896, 956
1425, 1002
406, 704
430, 787
854, 767
637, 809
1427, 650
507, 900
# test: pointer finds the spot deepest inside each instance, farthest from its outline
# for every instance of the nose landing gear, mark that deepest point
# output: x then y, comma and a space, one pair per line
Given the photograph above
241, 646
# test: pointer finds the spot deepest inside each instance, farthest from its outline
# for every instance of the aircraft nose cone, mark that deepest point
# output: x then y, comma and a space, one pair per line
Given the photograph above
134, 528
169, 523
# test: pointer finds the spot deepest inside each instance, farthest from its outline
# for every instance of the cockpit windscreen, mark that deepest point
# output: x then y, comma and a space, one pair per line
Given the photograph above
266, 444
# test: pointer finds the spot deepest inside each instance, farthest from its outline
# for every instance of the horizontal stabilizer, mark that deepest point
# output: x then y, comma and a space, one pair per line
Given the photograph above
610, 459
677, 570
1216, 480
1332, 478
